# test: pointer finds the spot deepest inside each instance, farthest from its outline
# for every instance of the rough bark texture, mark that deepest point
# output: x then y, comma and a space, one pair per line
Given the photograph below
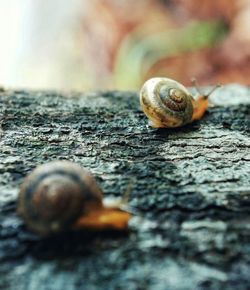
189, 186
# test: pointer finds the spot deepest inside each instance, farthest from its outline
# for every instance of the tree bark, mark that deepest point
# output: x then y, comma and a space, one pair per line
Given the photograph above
189, 189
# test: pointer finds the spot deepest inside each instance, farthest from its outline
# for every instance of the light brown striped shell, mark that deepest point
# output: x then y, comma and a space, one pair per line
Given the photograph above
166, 103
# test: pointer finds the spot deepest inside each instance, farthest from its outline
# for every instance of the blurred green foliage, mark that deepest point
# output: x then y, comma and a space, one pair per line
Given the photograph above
139, 52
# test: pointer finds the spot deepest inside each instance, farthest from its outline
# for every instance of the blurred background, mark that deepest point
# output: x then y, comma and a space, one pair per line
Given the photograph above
118, 44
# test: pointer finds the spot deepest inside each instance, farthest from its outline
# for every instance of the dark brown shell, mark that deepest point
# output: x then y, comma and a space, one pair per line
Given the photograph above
55, 194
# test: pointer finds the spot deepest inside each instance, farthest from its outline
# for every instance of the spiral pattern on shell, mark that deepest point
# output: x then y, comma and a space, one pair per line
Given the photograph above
166, 103
54, 195
173, 99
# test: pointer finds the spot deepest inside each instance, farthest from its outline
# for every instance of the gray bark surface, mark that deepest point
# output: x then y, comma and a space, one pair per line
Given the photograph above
189, 187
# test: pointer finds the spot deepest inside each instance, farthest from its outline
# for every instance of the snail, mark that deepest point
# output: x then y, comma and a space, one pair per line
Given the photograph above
60, 195
168, 104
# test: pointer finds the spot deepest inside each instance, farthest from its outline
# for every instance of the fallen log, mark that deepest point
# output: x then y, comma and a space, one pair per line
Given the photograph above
189, 189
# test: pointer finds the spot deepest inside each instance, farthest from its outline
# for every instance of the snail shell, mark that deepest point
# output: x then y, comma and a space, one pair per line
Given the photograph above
166, 103
55, 196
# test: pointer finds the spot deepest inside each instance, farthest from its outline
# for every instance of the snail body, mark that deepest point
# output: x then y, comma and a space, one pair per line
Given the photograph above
168, 104
60, 195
